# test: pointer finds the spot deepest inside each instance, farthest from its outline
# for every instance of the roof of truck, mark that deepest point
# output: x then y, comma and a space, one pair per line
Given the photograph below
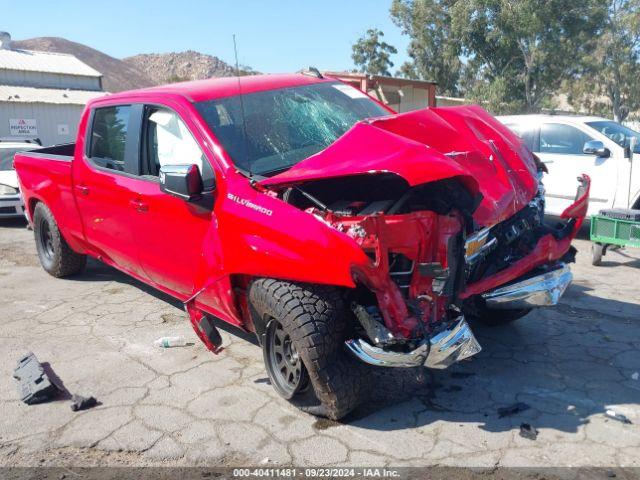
202, 90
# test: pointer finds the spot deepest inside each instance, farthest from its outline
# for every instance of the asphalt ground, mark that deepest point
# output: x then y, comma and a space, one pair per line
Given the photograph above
188, 407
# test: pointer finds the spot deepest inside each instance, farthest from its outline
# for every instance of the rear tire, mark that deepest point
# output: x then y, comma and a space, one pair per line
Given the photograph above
56, 256
311, 323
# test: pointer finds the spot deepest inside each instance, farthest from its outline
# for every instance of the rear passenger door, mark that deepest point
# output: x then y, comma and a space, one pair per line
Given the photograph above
105, 184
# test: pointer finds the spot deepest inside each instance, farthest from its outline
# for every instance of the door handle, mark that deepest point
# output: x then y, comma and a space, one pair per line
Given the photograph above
547, 161
83, 190
139, 205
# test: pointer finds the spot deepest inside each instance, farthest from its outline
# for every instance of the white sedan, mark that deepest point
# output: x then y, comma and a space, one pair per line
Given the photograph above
11, 204
573, 145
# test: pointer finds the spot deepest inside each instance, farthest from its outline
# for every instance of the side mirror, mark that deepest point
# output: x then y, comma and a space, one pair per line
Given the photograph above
182, 181
597, 148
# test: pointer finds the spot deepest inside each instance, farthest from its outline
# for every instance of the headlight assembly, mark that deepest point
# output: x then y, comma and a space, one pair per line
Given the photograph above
7, 190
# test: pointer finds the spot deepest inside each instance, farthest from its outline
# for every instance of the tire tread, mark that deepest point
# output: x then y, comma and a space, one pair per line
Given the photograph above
316, 318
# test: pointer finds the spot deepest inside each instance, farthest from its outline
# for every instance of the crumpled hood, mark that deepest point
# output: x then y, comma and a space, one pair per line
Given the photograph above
429, 145
9, 177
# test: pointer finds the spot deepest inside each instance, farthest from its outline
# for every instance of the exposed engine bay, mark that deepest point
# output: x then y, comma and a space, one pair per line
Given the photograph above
415, 240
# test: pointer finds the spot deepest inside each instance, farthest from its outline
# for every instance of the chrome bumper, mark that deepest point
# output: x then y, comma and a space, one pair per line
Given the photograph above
539, 291
442, 350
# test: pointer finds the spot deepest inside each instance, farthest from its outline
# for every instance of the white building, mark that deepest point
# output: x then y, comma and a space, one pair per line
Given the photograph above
42, 94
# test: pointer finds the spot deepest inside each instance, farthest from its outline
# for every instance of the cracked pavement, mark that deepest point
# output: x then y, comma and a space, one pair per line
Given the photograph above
186, 406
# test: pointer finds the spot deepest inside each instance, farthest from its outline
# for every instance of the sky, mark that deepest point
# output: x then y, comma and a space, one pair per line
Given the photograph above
272, 36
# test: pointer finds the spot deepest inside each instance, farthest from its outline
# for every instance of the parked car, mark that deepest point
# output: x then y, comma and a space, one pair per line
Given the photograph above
11, 204
573, 145
298, 208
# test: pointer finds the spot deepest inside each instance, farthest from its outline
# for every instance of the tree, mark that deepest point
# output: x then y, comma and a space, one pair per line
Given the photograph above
609, 83
434, 52
371, 54
520, 51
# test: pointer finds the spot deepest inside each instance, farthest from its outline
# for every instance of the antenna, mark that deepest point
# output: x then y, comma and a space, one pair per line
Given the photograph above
244, 120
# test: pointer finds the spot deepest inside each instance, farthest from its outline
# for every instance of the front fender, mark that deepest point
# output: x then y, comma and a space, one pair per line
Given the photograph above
264, 236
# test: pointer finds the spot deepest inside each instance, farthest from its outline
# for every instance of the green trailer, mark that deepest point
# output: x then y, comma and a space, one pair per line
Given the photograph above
619, 227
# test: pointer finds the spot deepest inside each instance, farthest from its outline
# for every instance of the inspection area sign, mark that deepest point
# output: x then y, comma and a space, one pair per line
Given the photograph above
23, 127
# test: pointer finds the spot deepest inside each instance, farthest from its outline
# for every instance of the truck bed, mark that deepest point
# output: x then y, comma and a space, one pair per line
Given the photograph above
45, 175
63, 151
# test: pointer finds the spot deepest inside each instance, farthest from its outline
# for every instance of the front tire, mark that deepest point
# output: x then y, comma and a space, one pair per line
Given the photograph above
303, 346
56, 256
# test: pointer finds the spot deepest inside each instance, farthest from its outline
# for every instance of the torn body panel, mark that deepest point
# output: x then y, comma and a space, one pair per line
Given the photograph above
405, 295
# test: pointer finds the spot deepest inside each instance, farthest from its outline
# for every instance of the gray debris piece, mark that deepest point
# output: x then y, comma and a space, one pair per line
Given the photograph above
34, 385
81, 403
528, 431
617, 416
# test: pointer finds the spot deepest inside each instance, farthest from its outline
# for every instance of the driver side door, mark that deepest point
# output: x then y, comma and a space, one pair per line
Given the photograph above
170, 232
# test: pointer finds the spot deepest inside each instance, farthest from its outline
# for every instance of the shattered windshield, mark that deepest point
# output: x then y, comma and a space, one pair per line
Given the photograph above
287, 125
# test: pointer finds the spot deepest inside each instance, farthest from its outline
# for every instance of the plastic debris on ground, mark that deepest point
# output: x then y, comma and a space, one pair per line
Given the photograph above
34, 385
635, 376
78, 402
528, 431
168, 342
617, 416
512, 409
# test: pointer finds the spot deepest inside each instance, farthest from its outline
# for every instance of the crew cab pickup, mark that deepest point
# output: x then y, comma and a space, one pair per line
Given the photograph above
298, 208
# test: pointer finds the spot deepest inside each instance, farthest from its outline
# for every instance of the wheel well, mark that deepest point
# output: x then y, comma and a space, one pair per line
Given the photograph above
32, 206
241, 284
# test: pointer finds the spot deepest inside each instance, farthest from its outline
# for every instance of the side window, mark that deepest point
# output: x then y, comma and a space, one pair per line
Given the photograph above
108, 136
562, 139
527, 135
168, 141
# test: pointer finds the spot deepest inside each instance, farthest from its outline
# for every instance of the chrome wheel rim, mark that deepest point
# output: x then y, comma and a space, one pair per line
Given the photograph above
285, 367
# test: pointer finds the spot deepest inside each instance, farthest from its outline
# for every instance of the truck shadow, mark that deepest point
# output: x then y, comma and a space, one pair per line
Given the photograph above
98, 271
562, 365
14, 222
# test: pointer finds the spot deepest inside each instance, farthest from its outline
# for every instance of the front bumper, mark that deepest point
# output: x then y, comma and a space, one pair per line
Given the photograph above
445, 348
11, 206
539, 291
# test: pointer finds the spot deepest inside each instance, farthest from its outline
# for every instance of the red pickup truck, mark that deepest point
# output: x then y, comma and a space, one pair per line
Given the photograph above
299, 208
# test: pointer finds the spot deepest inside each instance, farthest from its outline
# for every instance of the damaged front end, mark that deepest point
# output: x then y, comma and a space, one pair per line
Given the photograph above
406, 298
448, 206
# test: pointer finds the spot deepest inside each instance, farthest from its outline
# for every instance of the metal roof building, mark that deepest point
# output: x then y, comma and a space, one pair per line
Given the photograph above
42, 94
